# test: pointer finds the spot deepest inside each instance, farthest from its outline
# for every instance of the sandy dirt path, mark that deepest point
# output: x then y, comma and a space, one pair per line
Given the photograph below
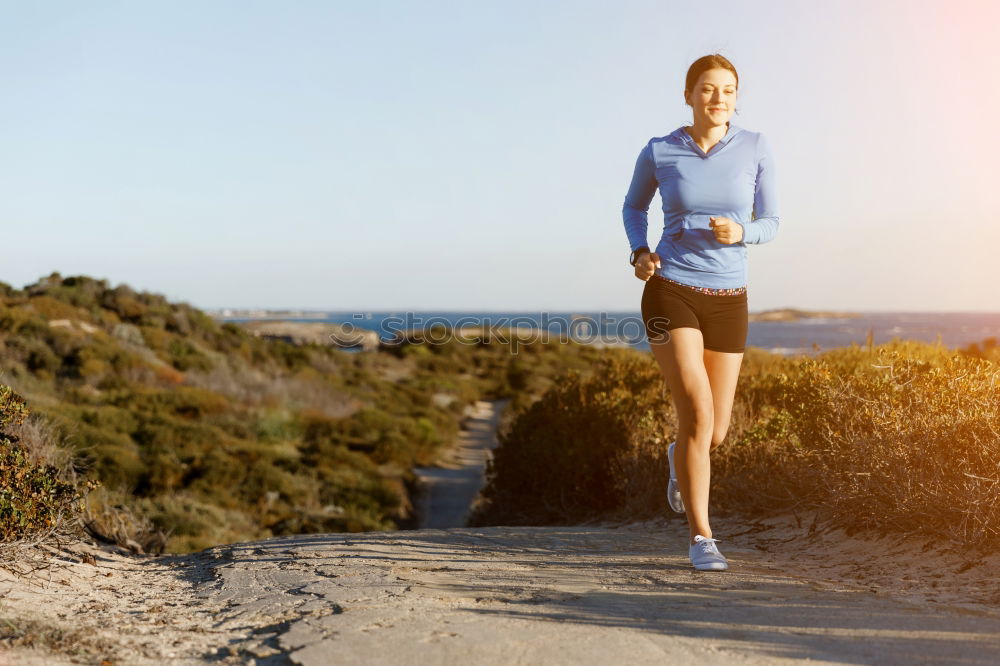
525, 595
571, 595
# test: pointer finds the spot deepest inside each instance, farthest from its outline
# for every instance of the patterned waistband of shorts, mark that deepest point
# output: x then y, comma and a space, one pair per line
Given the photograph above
728, 291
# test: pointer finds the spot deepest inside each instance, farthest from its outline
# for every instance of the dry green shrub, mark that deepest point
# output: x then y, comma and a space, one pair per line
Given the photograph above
34, 500
40, 499
581, 450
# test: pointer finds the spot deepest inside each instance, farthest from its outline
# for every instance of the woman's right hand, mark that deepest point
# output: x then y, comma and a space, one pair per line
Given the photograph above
646, 265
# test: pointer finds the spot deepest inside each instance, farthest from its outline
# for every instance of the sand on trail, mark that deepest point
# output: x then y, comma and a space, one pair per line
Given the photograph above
593, 594
587, 594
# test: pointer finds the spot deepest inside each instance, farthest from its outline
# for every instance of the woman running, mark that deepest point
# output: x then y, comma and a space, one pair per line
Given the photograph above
717, 185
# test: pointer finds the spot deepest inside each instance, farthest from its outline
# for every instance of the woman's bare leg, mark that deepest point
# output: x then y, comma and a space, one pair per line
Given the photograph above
682, 363
723, 373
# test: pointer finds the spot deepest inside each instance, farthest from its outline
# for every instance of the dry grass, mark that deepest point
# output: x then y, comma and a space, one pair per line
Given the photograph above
108, 518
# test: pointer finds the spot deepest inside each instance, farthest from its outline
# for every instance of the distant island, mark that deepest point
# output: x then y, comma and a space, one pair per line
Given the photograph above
794, 314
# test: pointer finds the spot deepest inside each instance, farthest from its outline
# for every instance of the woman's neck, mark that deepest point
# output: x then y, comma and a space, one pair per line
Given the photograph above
707, 133
707, 137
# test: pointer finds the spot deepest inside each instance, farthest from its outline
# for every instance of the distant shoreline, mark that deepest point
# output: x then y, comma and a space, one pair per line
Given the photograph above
225, 314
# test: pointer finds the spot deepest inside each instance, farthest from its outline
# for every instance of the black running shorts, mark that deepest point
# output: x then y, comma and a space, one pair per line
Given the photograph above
722, 319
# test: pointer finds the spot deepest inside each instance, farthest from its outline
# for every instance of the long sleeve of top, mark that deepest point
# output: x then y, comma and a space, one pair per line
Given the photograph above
640, 194
735, 179
764, 226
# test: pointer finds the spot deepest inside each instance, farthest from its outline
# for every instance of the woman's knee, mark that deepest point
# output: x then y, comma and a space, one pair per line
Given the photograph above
696, 415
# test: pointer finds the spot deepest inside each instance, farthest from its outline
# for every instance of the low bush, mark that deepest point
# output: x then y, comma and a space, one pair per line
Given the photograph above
34, 500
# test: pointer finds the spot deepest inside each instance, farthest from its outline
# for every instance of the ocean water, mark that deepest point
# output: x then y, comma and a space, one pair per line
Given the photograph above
805, 336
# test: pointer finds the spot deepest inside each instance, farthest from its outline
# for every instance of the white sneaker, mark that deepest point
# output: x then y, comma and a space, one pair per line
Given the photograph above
705, 556
673, 490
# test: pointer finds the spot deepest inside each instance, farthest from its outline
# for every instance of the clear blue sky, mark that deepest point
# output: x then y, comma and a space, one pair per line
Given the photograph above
474, 155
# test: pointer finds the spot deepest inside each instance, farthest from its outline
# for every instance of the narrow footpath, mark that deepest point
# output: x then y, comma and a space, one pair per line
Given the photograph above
450, 488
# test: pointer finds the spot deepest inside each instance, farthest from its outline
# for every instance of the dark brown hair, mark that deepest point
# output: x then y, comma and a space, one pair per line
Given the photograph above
705, 63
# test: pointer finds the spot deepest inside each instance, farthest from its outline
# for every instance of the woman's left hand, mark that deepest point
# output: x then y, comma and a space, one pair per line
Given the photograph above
725, 230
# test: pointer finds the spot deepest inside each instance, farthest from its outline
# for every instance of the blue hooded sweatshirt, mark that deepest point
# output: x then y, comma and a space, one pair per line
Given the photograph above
735, 179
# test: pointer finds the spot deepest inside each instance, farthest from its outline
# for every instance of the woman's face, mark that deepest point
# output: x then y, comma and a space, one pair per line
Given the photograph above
713, 99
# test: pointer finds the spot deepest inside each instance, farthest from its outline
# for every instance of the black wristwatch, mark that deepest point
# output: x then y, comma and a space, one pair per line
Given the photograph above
634, 257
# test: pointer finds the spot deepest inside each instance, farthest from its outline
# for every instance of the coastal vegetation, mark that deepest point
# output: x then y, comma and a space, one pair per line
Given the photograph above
159, 428
199, 433
902, 437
